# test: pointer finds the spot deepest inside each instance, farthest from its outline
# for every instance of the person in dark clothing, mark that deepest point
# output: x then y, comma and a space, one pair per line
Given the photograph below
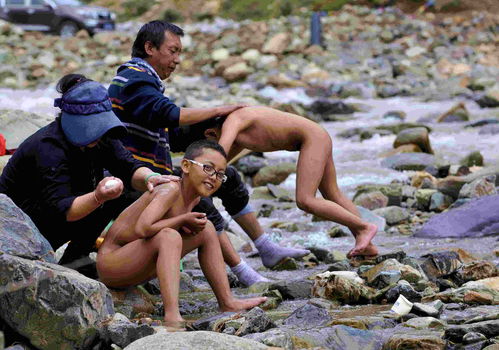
137, 96
56, 176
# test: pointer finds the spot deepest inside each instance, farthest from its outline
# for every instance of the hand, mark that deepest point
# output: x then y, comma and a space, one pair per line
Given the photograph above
111, 191
195, 222
226, 110
154, 181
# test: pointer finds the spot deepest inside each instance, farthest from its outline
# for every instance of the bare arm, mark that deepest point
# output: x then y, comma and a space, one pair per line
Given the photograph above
151, 220
232, 126
190, 116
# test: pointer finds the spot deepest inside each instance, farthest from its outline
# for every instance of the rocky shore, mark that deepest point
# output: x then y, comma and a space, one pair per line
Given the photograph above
411, 105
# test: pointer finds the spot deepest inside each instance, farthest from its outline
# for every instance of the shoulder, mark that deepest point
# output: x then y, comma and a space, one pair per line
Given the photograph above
170, 189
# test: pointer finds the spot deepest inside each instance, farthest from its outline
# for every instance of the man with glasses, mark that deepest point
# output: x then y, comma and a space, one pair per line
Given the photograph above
138, 100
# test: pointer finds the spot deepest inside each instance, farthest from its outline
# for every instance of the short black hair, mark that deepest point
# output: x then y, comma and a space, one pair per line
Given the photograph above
181, 137
154, 32
196, 148
70, 80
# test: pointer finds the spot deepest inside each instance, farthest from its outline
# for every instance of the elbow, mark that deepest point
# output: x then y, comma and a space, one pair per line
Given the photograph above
142, 230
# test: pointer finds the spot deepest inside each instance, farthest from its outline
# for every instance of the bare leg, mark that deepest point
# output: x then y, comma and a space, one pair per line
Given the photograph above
212, 264
230, 255
312, 166
142, 260
250, 225
330, 190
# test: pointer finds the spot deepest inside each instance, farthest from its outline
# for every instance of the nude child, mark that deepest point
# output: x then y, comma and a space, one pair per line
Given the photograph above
150, 237
263, 129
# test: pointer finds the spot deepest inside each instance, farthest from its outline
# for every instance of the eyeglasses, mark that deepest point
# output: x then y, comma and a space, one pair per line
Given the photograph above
208, 169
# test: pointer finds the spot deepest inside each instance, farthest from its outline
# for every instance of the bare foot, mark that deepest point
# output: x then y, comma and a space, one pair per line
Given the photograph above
363, 245
243, 304
177, 325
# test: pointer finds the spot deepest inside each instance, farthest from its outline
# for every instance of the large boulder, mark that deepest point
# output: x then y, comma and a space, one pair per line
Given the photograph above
477, 218
53, 306
17, 125
194, 340
19, 235
417, 136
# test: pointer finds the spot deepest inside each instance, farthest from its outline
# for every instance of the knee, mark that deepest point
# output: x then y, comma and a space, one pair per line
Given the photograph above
169, 237
209, 233
303, 203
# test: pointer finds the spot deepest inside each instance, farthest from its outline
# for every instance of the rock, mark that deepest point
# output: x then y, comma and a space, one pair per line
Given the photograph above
327, 107
458, 113
343, 265
488, 328
194, 340
473, 337
17, 125
395, 115
440, 264
439, 202
274, 337
19, 235
489, 130
280, 193
418, 136
121, 331
251, 55
409, 161
431, 309
393, 215
402, 288
277, 44
220, 54
484, 186
486, 101
266, 210
425, 323
423, 198
477, 270
335, 286
287, 264
250, 165
309, 315
55, 307
415, 51
405, 272
255, 321
477, 218
211, 323
133, 301
472, 159
236, 72
338, 231
294, 289
372, 200
418, 341
482, 292
462, 313
274, 174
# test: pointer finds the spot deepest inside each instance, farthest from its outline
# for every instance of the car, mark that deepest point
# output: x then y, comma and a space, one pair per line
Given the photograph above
63, 17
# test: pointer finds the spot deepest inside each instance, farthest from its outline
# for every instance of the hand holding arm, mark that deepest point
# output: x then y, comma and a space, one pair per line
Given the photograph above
190, 116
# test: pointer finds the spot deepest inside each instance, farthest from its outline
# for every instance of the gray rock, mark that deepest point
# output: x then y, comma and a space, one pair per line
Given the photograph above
194, 340
418, 136
208, 322
473, 337
392, 191
327, 107
488, 328
439, 202
484, 186
423, 198
440, 264
372, 200
398, 255
17, 125
461, 315
425, 323
402, 288
55, 307
275, 337
19, 235
309, 315
255, 321
409, 161
393, 215
478, 218
417, 339
432, 309
294, 289
250, 165
489, 130
274, 174
472, 159
121, 331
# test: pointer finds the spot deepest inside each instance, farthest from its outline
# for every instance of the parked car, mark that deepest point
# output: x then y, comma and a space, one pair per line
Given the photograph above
64, 17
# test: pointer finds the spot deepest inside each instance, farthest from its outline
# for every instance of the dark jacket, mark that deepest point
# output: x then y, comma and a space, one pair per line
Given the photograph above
138, 100
47, 173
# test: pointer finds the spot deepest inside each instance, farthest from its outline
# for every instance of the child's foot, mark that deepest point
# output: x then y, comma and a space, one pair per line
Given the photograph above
363, 245
175, 325
272, 253
243, 304
246, 275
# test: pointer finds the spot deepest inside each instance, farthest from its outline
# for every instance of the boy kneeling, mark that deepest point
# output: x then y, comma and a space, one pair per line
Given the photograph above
149, 238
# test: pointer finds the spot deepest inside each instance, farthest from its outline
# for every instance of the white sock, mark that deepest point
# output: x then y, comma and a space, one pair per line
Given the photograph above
246, 274
271, 253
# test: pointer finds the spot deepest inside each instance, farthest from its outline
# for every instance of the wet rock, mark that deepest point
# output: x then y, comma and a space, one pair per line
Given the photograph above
250, 165
461, 313
194, 340
55, 307
473, 337
274, 298
482, 292
393, 215
379, 271
121, 331
254, 321
439, 202
398, 255
477, 218
440, 264
477, 270
274, 174
327, 107
211, 323
294, 289
484, 186
366, 322
488, 328
372, 200
395, 115
402, 288
409, 161
418, 136
275, 337
309, 315
421, 340
337, 286
19, 235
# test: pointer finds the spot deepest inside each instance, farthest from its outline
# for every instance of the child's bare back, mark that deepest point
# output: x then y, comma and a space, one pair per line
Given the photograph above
263, 129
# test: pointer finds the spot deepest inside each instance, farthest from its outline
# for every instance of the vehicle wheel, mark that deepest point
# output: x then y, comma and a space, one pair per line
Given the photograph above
68, 28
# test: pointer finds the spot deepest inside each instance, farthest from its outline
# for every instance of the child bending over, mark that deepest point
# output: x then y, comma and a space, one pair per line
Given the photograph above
263, 129
149, 238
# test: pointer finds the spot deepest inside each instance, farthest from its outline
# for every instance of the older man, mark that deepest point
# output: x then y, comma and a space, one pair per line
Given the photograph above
138, 100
